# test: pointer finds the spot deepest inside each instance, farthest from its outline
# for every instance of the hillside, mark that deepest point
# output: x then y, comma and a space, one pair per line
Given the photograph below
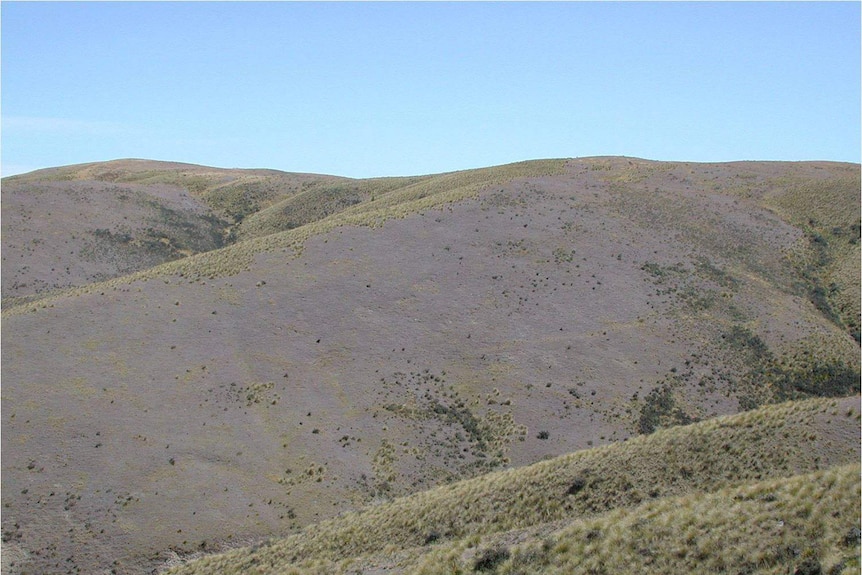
71, 226
600, 508
58, 235
356, 341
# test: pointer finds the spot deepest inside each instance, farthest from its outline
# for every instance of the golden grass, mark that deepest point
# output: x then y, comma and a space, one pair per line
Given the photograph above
775, 526
317, 202
755, 446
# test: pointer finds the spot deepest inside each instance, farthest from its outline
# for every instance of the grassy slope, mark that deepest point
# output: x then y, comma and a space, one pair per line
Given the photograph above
830, 255
820, 262
316, 203
819, 198
262, 203
99, 221
266, 202
789, 525
604, 491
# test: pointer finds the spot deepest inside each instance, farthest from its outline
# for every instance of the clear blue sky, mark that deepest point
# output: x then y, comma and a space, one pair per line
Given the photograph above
378, 89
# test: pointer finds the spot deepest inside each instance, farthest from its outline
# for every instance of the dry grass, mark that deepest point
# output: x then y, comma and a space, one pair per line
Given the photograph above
803, 524
316, 202
751, 448
830, 254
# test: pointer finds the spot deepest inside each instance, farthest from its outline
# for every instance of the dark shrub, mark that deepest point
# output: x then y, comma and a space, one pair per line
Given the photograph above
809, 567
490, 558
576, 486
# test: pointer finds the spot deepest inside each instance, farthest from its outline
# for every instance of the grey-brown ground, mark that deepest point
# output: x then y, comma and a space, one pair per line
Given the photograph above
545, 315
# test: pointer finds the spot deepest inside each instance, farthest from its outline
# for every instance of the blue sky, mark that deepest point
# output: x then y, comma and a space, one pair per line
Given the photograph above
382, 89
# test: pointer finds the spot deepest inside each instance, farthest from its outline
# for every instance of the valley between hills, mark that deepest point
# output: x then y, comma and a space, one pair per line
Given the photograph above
587, 365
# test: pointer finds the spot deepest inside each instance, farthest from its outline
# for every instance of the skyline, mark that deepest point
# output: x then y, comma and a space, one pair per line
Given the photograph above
386, 89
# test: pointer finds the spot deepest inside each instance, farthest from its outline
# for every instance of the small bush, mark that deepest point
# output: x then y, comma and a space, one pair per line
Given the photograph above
743, 339
576, 486
660, 410
852, 537
490, 558
809, 567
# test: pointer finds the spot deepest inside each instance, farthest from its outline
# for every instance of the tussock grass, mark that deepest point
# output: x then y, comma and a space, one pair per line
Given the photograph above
771, 442
244, 196
803, 524
317, 202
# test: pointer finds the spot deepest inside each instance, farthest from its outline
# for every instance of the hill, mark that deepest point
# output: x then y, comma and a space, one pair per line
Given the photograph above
71, 226
358, 341
663, 503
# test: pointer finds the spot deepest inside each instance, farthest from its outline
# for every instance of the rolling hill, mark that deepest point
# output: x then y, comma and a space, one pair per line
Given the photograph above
298, 347
663, 503
109, 219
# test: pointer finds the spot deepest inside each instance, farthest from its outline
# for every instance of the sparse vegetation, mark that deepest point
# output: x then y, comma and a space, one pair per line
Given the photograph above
357, 349
660, 409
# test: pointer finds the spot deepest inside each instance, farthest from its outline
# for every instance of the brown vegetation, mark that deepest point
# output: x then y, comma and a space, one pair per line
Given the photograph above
360, 341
